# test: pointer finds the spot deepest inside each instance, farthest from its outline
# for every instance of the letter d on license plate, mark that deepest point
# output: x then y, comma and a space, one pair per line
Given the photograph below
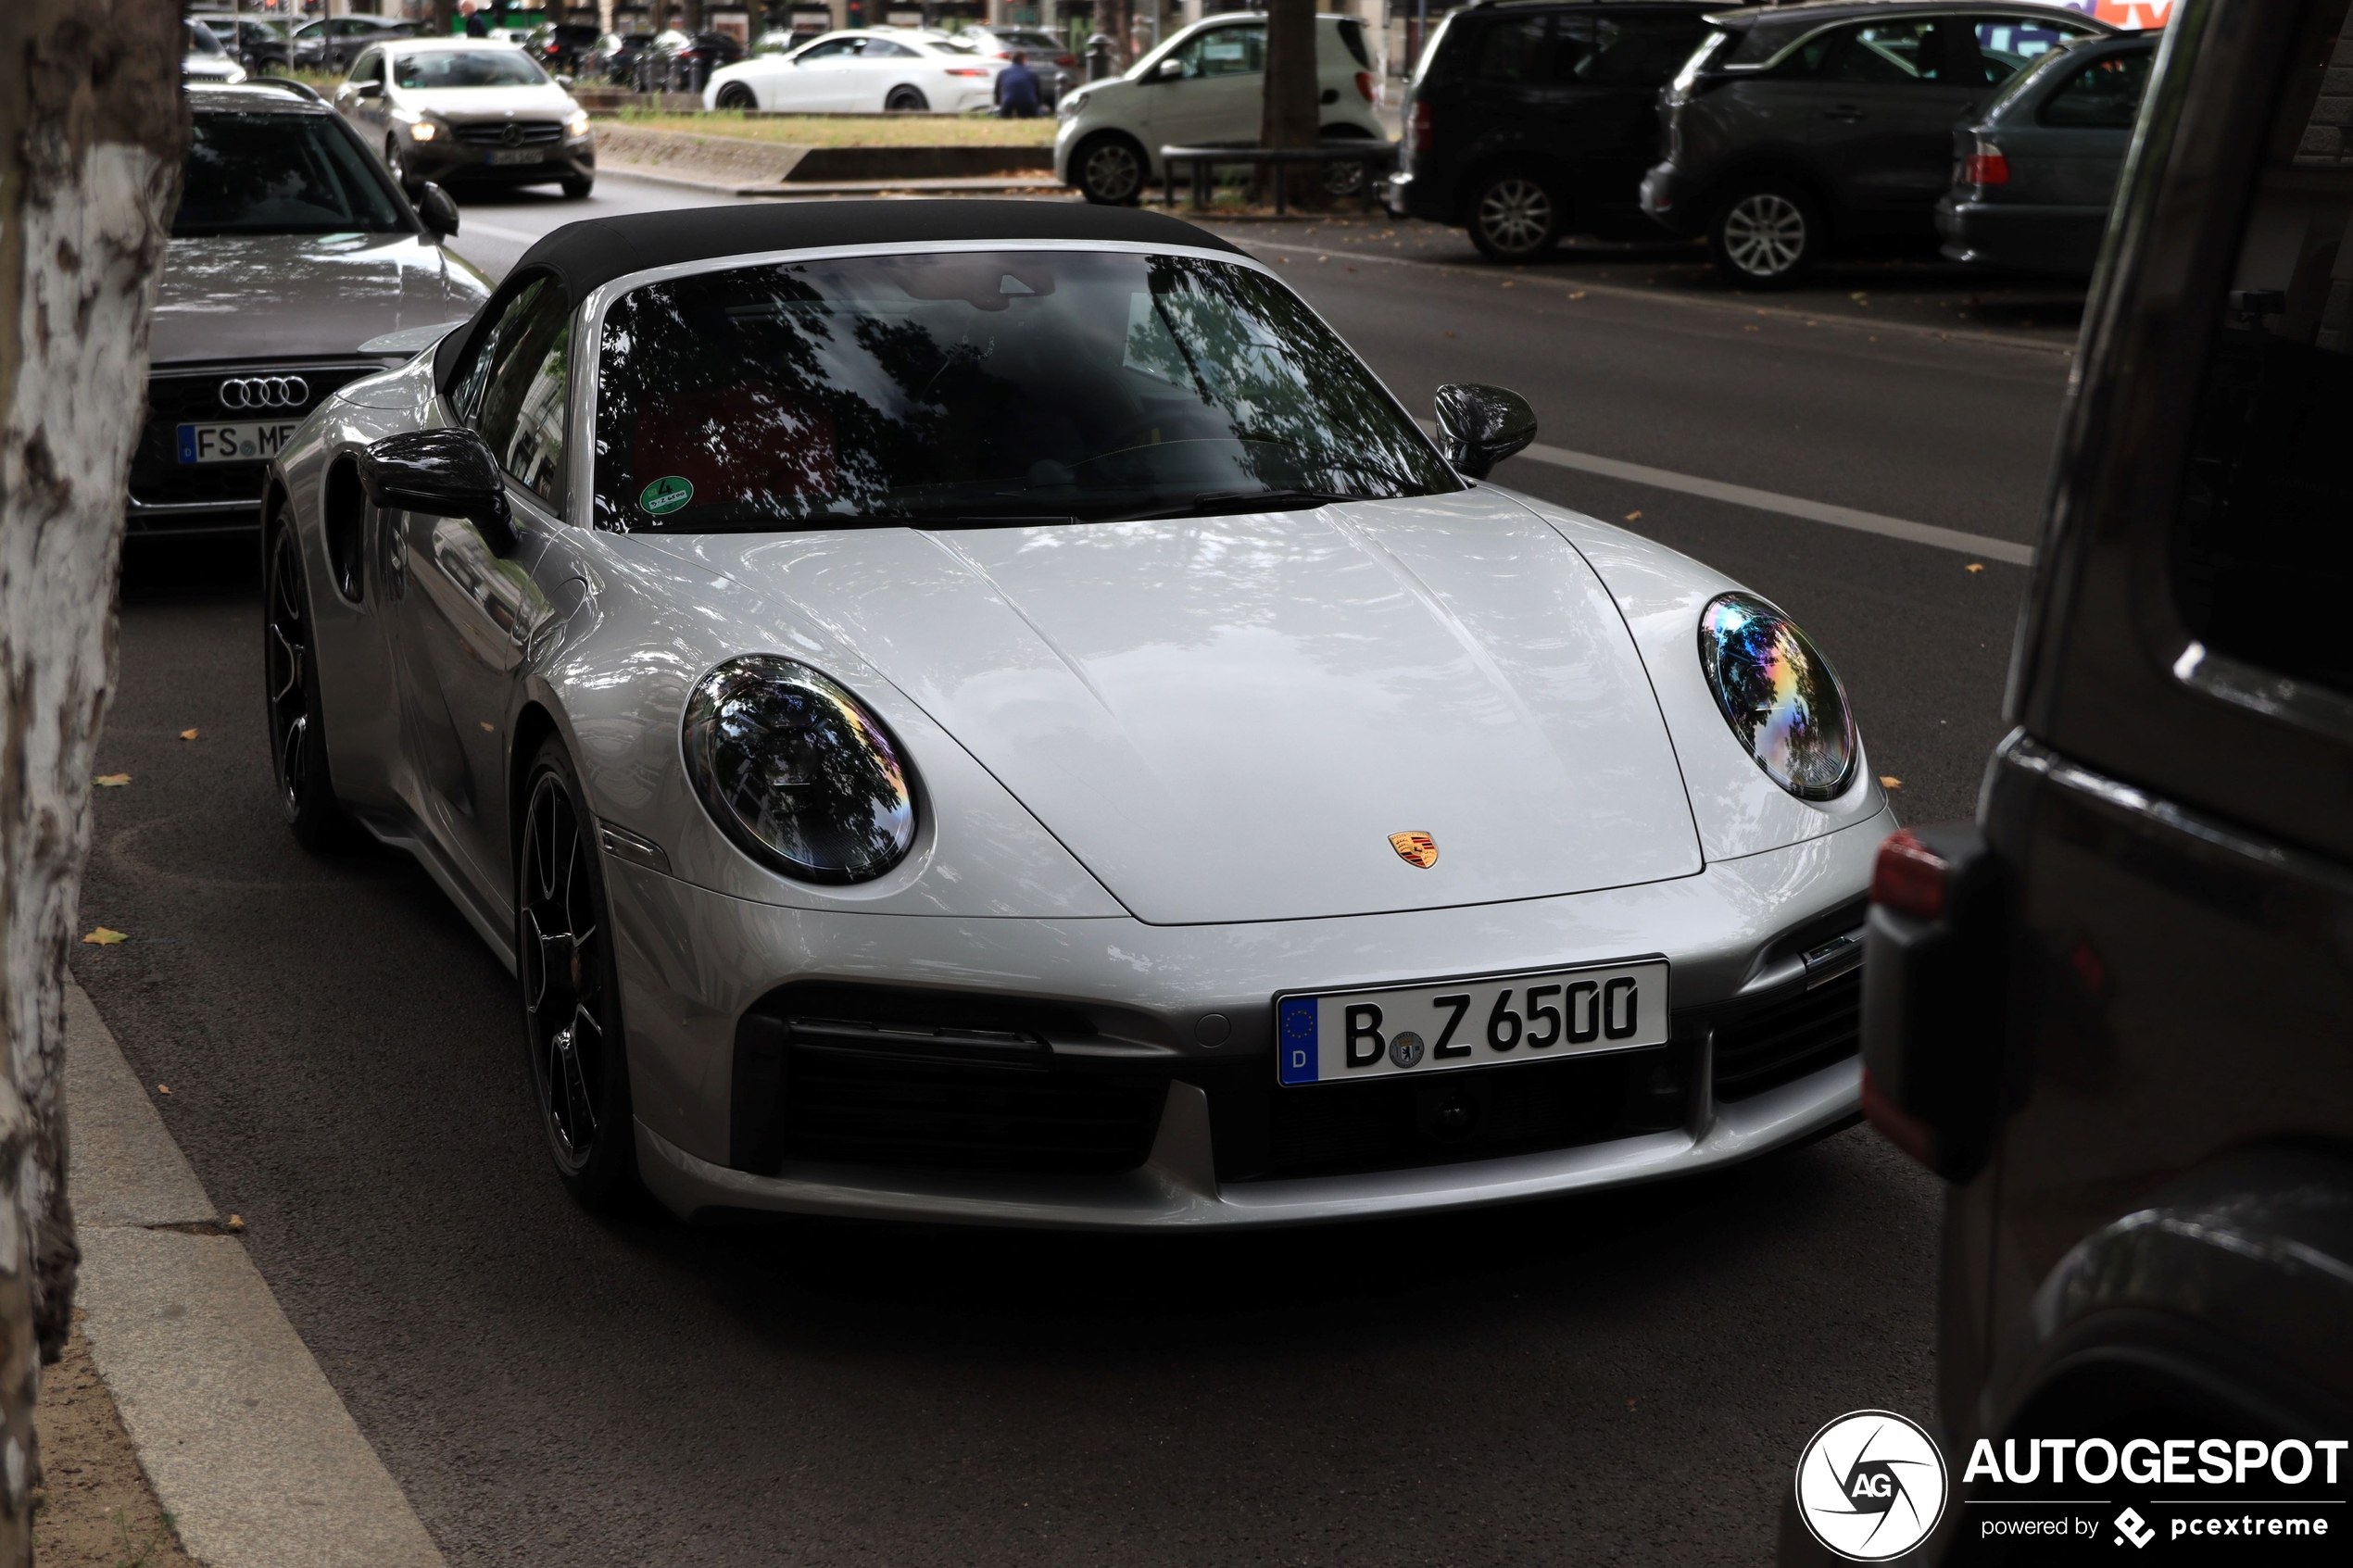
1438, 1026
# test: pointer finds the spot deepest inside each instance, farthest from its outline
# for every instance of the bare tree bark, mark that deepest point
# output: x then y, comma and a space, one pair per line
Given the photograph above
92, 134
439, 18
1291, 117
1114, 19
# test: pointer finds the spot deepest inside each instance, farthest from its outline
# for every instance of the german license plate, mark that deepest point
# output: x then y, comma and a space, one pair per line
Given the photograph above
1343, 1035
235, 443
515, 154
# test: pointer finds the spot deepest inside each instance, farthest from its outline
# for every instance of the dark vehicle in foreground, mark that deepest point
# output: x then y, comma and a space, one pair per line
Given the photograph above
613, 59
682, 62
2032, 180
2114, 1013
291, 256
1795, 130
1526, 122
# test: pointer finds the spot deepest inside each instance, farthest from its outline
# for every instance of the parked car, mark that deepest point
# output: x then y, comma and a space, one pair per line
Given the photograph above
815, 722
558, 47
684, 62
864, 70
2113, 1012
1794, 129
292, 258
332, 43
1524, 123
1046, 53
465, 111
613, 59
258, 44
1203, 87
204, 59
2033, 179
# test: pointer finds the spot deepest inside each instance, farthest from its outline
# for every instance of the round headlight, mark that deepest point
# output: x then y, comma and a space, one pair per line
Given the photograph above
797, 772
1779, 694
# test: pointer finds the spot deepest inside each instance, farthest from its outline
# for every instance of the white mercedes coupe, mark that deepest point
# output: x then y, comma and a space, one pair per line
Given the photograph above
862, 71
988, 711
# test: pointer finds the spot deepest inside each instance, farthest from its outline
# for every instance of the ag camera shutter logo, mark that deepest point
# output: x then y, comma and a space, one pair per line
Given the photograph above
1870, 1485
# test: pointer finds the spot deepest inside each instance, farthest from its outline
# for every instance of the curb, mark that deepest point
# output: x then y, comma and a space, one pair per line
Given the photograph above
247, 1445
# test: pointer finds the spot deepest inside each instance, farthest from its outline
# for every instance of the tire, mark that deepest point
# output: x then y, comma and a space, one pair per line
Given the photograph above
906, 100
1341, 181
1767, 234
1110, 169
570, 989
1515, 216
290, 696
577, 189
735, 95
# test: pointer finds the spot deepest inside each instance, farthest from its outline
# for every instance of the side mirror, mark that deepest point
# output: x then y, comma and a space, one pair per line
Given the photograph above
1479, 426
437, 212
564, 82
368, 89
446, 473
1168, 70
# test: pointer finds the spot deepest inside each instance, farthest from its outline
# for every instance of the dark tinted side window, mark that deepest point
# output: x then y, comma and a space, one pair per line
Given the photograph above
2103, 95
1633, 51
1514, 50
2263, 542
512, 390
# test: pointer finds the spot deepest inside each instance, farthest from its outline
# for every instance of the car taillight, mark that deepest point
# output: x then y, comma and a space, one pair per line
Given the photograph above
1065, 61
1364, 86
1417, 128
1908, 877
1986, 166
968, 71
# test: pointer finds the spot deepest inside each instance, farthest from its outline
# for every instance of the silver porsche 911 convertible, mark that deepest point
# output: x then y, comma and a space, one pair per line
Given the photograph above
989, 712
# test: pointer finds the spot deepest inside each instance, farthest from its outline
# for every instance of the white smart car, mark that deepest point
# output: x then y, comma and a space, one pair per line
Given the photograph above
1203, 87
988, 711
862, 70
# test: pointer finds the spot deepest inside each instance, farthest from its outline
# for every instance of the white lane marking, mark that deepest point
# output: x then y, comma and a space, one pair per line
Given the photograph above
1787, 506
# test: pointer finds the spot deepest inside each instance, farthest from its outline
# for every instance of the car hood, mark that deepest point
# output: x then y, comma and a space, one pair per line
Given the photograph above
1226, 719
275, 296
544, 100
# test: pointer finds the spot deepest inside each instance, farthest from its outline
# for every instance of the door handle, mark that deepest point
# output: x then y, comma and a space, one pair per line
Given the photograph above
1843, 111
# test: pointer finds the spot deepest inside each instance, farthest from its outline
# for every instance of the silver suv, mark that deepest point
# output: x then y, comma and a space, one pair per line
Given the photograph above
294, 266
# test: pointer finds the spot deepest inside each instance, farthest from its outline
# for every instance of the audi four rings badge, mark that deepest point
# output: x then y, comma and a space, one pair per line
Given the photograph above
240, 392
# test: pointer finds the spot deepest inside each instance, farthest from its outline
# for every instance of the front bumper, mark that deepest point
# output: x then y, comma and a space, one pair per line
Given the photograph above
448, 161
2062, 241
701, 975
1669, 198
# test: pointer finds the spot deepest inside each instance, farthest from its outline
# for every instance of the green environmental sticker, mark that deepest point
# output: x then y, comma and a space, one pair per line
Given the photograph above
666, 496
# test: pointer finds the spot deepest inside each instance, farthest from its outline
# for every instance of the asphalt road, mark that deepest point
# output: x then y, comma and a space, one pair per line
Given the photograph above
1625, 1378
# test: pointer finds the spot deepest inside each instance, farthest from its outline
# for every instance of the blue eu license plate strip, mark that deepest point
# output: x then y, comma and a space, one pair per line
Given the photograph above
1439, 1026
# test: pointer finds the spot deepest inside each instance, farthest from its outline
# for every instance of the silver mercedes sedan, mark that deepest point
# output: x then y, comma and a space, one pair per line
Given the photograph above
988, 711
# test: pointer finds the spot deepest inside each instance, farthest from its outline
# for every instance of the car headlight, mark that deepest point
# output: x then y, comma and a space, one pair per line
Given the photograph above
797, 772
578, 124
423, 131
1779, 694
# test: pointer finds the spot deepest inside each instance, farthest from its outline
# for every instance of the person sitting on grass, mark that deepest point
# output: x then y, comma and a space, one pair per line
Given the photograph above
1017, 89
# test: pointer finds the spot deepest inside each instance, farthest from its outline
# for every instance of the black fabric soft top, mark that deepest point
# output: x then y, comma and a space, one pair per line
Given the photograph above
581, 256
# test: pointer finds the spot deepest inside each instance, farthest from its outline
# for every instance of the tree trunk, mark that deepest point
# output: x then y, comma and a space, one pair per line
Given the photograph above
438, 19
91, 135
693, 8
1112, 20
1291, 118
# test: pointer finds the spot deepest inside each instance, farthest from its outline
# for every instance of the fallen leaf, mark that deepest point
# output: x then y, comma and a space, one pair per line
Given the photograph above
1859, 297
102, 938
1974, 566
1579, 294
163, 1088
1450, 334
1748, 329
1348, 269
1508, 284
111, 781
234, 1223
1629, 1404
1889, 781
187, 734
1634, 517
487, 725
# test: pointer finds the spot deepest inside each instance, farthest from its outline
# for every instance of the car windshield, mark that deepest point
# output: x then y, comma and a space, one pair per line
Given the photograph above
281, 174
1028, 386
466, 67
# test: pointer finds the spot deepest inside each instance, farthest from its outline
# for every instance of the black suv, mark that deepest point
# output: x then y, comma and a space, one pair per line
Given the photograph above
1793, 129
1526, 122
2115, 1012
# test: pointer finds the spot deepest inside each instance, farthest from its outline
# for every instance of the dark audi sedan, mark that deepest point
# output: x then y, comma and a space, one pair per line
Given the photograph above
1529, 122
1804, 127
2033, 178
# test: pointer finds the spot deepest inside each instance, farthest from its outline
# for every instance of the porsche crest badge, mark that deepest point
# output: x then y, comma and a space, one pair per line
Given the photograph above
1414, 848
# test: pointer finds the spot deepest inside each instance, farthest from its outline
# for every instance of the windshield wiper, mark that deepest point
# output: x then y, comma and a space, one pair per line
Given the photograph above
1216, 503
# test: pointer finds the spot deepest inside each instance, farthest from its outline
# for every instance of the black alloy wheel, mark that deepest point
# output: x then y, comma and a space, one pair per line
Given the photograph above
906, 100
571, 994
290, 693
1514, 216
1767, 236
735, 95
577, 187
1110, 171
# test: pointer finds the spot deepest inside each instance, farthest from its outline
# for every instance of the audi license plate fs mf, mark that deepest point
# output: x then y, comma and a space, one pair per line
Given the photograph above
235, 443
1445, 1025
